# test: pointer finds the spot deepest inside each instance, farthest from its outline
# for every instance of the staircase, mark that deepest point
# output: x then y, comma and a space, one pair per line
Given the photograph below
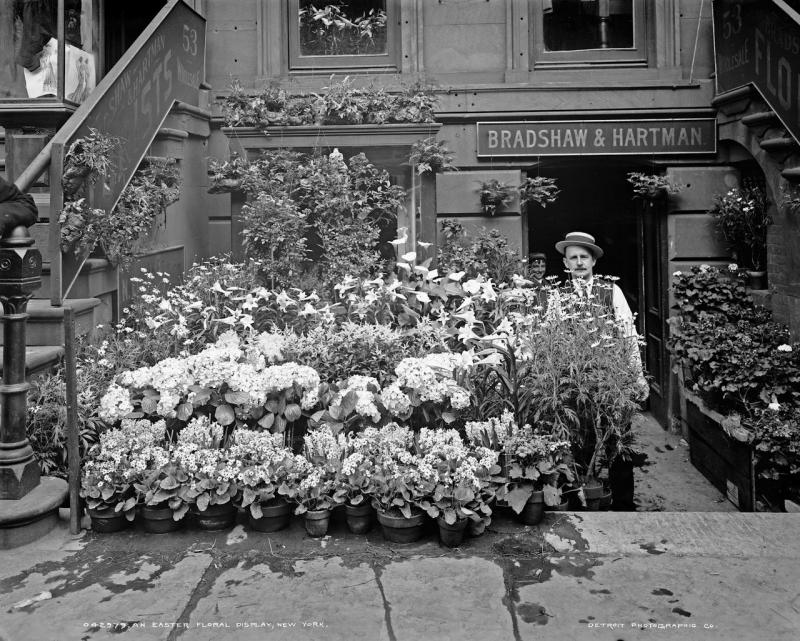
121, 105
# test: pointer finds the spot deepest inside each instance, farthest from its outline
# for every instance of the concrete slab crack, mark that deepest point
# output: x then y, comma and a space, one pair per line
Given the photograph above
511, 596
203, 588
387, 607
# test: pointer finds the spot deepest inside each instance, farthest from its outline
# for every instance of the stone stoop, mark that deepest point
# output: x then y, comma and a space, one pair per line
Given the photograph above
40, 359
45, 324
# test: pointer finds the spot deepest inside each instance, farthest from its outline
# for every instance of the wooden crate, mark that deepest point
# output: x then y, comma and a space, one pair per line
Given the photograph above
726, 462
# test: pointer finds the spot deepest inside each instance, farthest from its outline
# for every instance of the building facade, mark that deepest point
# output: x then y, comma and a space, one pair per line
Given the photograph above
583, 91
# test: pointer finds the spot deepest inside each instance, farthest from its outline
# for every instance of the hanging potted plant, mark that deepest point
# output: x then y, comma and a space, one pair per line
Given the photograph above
494, 194
652, 186
431, 156
742, 218
540, 190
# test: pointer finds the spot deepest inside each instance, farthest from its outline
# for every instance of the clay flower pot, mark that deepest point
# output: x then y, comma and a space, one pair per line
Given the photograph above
275, 515
398, 529
317, 521
451, 535
533, 512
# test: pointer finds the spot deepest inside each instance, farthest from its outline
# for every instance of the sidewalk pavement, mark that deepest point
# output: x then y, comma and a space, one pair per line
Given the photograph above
583, 575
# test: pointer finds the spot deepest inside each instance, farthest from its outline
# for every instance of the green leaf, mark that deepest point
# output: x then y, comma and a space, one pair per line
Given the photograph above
237, 398
149, 405
518, 497
184, 411
169, 483
255, 510
248, 496
202, 502
224, 415
292, 412
267, 420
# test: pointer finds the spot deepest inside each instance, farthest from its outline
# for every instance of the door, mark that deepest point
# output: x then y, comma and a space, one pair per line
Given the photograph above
653, 301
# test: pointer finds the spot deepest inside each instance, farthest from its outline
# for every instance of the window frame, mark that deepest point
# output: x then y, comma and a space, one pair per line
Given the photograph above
388, 61
635, 56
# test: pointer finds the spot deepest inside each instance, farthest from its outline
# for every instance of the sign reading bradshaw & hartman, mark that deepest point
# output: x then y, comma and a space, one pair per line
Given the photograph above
597, 137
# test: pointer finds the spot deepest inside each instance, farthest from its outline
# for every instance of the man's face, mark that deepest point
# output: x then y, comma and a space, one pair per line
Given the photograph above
579, 261
538, 267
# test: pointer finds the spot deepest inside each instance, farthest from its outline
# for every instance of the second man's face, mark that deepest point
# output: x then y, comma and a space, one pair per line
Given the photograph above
579, 261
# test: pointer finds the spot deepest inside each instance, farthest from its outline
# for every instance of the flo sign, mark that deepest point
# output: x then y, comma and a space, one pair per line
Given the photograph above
758, 43
596, 137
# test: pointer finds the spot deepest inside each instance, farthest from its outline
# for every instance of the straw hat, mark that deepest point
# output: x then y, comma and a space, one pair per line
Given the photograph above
579, 239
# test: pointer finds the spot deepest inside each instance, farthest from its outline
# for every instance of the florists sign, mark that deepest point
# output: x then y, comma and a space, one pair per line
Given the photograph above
597, 137
759, 44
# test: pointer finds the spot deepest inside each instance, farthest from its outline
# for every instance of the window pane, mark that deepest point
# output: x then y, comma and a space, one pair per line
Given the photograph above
29, 65
342, 28
575, 25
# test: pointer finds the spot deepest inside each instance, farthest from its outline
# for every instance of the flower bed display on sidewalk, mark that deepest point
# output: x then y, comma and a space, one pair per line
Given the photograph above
744, 365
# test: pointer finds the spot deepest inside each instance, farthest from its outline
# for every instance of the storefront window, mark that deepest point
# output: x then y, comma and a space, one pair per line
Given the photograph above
588, 32
30, 68
360, 33
575, 25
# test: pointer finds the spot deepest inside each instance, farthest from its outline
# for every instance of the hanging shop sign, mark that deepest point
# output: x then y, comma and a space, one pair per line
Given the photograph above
758, 43
597, 137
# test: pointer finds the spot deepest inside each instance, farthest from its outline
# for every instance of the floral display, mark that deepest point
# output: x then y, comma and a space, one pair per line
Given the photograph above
461, 476
266, 468
118, 461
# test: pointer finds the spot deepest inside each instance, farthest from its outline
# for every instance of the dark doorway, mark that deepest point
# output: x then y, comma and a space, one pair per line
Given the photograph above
595, 198
124, 22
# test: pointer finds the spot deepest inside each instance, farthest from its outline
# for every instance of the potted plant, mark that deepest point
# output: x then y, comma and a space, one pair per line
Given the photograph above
742, 218
211, 473
87, 159
431, 155
355, 480
652, 186
315, 491
265, 468
400, 485
113, 467
493, 195
540, 464
540, 190
460, 476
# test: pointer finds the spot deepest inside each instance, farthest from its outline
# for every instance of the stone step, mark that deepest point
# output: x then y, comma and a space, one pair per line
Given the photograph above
45, 325
40, 359
97, 278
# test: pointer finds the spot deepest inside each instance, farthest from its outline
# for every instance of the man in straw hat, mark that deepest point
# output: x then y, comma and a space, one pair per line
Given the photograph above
580, 256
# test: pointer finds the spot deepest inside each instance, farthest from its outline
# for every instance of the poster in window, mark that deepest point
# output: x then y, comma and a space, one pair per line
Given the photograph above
79, 78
